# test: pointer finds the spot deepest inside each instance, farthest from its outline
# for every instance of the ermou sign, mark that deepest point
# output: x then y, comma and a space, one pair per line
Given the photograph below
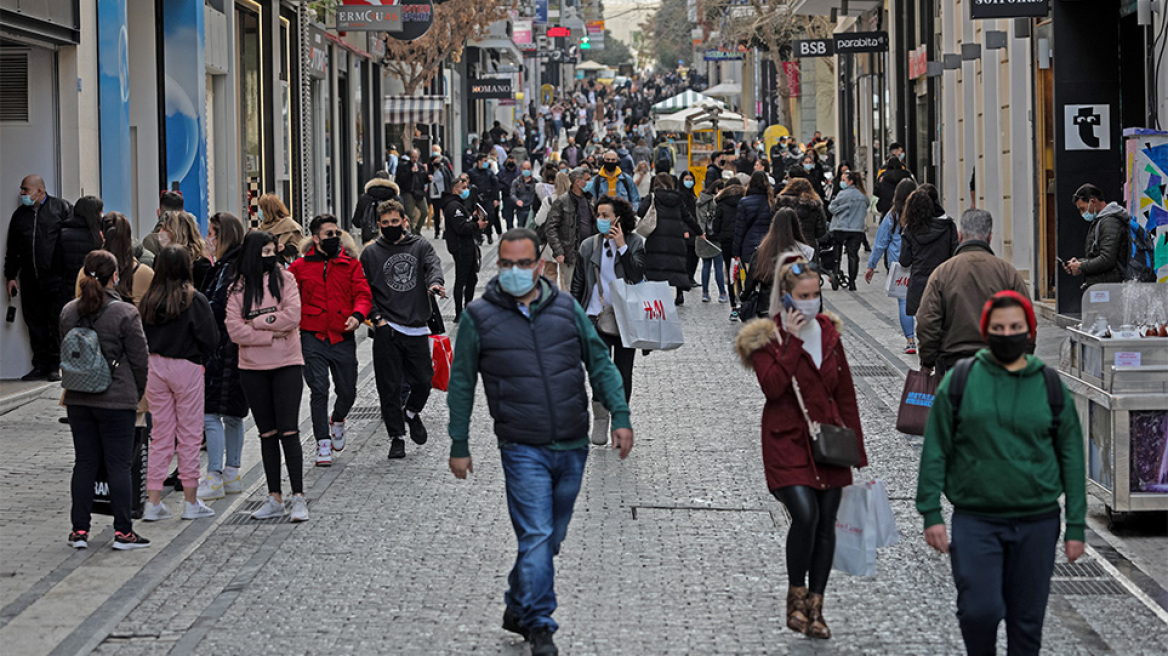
981, 9
405, 20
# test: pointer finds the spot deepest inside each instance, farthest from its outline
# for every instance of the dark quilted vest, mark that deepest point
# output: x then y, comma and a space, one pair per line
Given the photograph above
532, 369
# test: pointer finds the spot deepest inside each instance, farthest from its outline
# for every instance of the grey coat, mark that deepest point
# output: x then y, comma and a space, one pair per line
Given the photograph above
629, 267
119, 328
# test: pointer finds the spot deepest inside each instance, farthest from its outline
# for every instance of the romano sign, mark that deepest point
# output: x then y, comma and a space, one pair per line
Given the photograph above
861, 42
490, 88
980, 9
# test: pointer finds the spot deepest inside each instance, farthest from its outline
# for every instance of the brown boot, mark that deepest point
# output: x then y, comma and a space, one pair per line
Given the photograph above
796, 609
817, 627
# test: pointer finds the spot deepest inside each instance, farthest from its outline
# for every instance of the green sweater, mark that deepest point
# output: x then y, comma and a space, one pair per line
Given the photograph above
1001, 462
607, 386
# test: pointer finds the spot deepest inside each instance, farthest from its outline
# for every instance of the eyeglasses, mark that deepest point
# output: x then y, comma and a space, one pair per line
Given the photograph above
330, 233
522, 264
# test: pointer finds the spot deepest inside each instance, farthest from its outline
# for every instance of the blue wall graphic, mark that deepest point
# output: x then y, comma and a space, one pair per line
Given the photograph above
113, 84
186, 104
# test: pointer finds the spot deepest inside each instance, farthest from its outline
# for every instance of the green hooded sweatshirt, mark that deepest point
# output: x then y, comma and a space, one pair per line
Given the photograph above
1001, 462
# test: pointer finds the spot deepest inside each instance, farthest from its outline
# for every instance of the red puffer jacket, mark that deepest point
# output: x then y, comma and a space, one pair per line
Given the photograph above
331, 291
827, 391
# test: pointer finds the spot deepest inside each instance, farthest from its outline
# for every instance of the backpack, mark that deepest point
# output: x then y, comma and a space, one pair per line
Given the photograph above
1140, 266
84, 368
369, 221
663, 154
1054, 392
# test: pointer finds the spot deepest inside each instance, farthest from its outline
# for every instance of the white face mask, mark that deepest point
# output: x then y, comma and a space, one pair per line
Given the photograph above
809, 307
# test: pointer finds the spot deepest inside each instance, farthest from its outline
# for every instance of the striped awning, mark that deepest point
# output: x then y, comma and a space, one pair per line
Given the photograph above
426, 110
683, 101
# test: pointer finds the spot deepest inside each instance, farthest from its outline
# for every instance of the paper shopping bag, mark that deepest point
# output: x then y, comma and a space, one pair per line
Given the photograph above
443, 356
646, 315
915, 401
855, 533
896, 284
881, 511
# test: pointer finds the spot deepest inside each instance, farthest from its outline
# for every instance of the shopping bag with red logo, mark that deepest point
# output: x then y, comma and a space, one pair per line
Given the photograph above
443, 355
896, 284
646, 315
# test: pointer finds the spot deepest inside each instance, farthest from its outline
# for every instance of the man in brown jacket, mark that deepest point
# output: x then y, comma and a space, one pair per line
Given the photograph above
949, 318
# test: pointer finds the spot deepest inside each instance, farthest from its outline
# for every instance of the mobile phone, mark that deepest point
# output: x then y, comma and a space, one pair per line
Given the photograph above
11, 317
1060, 260
788, 302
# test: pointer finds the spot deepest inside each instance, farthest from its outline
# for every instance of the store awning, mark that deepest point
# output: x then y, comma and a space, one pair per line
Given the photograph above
684, 100
426, 110
503, 45
824, 7
724, 90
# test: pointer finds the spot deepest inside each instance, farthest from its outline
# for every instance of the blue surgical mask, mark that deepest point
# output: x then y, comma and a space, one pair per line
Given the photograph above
1088, 216
486, 165
260, 214
843, 184
464, 194
808, 167
516, 281
526, 174
603, 226
26, 200
688, 183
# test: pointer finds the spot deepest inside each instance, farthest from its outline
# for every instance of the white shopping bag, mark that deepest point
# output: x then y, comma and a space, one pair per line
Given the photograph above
881, 510
855, 533
896, 284
646, 315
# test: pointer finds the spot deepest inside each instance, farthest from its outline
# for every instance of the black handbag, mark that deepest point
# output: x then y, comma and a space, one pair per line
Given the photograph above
436, 324
832, 445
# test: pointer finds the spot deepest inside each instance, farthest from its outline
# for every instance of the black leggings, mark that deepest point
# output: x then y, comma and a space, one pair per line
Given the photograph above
811, 542
274, 397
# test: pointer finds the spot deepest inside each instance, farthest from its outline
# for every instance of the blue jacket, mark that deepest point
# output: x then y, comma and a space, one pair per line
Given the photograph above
751, 223
848, 209
625, 188
887, 239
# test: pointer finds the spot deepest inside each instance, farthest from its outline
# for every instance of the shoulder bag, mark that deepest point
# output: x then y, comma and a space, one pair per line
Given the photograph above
606, 320
648, 223
832, 445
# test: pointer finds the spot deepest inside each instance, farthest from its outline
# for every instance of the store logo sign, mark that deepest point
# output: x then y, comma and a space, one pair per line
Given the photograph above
1087, 127
981, 9
805, 48
490, 88
404, 20
861, 42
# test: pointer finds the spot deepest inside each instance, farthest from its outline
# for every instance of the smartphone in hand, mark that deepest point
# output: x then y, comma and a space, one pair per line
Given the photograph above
788, 302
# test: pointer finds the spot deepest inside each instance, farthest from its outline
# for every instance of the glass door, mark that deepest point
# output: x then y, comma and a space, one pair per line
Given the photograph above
249, 44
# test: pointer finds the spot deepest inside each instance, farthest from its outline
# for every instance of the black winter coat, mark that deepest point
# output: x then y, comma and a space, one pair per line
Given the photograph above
74, 243
222, 393
751, 224
377, 191
886, 188
812, 219
923, 252
665, 249
32, 239
724, 217
462, 230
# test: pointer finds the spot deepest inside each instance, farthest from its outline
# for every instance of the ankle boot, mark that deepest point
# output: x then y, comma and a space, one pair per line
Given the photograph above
818, 626
796, 609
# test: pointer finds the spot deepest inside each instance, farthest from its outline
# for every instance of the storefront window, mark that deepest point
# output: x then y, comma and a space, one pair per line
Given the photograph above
250, 102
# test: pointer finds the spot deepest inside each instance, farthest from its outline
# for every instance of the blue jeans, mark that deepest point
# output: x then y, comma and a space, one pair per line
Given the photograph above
222, 432
1002, 568
541, 490
906, 322
719, 274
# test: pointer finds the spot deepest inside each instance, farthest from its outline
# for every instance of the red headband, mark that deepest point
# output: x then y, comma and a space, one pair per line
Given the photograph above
1027, 306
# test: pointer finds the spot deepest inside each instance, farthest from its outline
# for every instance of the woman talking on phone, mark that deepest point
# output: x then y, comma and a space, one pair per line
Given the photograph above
799, 359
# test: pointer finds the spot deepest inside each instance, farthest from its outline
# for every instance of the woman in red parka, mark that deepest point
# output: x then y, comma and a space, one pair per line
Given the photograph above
810, 351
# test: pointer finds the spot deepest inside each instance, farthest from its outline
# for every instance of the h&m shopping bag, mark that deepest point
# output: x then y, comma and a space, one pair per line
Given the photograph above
896, 284
915, 402
443, 356
646, 315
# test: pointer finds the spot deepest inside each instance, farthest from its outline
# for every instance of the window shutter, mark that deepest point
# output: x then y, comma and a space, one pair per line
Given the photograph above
14, 87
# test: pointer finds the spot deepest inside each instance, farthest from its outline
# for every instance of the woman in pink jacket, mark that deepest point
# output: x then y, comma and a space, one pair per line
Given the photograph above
263, 318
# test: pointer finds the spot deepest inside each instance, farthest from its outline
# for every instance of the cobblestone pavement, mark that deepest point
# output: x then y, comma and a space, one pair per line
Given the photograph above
677, 550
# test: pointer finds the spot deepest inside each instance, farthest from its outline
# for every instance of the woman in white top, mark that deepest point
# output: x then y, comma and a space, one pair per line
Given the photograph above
642, 176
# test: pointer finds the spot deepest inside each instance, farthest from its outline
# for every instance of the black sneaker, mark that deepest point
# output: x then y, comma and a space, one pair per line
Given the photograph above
35, 374
397, 448
53, 376
541, 643
511, 623
173, 480
79, 539
417, 430
131, 540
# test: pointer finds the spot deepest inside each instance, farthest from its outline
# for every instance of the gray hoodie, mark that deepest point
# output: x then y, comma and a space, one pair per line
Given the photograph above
400, 276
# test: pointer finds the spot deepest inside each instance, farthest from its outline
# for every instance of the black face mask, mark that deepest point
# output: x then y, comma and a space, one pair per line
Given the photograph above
269, 262
393, 233
610, 166
1008, 348
510, 166
330, 246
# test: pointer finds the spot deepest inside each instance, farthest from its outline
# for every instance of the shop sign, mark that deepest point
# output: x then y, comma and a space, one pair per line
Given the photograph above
595, 27
521, 32
405, 21
805, 48
541, 12
918, 62
317, 54
850, 42
557, 32
723, 55
979, 9
496, 87
1087, 127
791, 70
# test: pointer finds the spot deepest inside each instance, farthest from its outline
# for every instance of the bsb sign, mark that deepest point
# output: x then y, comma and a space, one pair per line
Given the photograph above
980, 9
813, 48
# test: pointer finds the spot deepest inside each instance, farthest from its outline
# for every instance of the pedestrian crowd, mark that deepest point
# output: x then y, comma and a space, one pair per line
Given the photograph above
172, 341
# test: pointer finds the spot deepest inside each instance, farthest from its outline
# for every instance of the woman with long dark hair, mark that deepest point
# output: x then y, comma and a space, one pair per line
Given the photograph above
224, 402
888, 240
665, 249
103, 423
785, 235
133, 277
181, 332
263, 318
80, 234
802, 346
929, 238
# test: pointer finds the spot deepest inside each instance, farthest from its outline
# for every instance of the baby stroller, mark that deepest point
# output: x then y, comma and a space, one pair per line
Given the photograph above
829, 264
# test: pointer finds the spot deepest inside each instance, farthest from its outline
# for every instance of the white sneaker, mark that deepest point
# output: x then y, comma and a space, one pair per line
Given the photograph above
337, 431
270, 510
599, 424
196, 510
324, 453
154, 513
211, 487
299, 508
232, 481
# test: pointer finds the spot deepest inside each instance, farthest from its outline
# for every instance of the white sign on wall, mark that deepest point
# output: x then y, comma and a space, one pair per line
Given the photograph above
1088, 127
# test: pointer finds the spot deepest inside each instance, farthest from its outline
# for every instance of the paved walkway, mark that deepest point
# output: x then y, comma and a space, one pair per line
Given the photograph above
677, 550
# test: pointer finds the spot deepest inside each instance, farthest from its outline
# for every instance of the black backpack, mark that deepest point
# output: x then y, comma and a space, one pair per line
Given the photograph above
1054, 392
663, 154
369, 221
1140, 265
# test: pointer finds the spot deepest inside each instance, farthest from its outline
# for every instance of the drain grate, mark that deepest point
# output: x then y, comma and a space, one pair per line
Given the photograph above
1091, 587
873, 370
1087, 570
364, 413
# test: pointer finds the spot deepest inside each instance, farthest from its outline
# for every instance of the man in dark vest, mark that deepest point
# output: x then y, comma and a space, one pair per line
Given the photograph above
526, 336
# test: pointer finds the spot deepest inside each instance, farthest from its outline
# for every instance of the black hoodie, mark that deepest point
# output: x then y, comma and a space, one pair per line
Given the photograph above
400, 276
924, 251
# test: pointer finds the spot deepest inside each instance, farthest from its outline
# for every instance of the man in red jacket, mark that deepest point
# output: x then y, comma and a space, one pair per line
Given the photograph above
334, 300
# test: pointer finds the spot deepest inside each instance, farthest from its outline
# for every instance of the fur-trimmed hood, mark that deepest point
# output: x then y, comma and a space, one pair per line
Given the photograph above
732, 190
347, 243
798, 203
757, 333
381, 182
